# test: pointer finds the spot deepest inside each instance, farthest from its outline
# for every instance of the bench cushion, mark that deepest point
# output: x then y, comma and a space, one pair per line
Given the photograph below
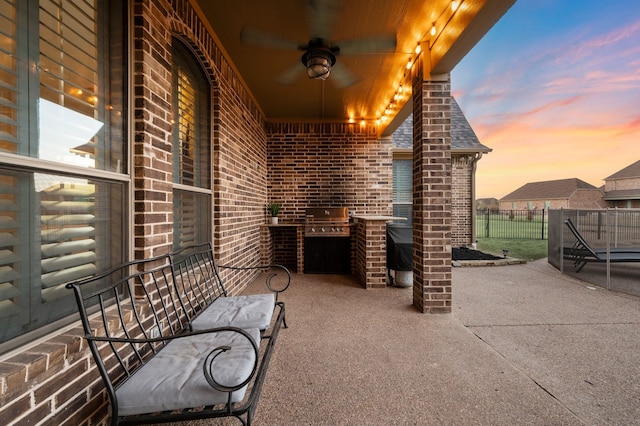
250, 311
174, 379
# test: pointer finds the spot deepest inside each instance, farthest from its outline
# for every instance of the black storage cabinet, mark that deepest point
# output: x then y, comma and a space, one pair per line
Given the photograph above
327, 255
399, 247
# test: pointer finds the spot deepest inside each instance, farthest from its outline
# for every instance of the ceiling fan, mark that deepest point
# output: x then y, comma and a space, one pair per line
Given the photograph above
319, 53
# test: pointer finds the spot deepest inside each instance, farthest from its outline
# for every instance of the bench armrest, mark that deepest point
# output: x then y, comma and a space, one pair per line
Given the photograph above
279, 272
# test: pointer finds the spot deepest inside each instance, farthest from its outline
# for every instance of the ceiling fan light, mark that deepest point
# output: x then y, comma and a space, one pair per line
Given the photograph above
318, 63
318, 67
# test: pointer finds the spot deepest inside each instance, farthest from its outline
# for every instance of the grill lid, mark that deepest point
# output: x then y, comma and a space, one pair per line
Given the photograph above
327, 221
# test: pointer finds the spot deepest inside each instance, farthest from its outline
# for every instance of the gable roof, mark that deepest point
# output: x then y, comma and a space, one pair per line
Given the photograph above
631, 171
547, 190
463, 138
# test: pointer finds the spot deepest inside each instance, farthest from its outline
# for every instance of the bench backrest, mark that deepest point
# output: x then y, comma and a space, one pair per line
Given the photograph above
197, 279
135, 300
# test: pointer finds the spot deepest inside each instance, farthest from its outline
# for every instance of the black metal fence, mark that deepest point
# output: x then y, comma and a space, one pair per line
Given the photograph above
512, 224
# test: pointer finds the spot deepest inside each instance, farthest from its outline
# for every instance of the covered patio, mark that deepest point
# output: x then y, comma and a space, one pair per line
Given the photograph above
190, 138
524, 345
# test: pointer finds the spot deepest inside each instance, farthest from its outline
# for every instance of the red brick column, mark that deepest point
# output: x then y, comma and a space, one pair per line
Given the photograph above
371, 252
432, 195
266, 246
300, 249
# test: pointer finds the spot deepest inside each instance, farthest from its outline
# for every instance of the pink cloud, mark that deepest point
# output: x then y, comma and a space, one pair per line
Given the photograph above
561, 108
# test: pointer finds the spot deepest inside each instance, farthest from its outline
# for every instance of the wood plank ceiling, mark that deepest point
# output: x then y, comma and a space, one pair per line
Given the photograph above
377, 76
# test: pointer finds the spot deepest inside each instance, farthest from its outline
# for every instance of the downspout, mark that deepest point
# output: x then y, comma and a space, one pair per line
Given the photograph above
474, 163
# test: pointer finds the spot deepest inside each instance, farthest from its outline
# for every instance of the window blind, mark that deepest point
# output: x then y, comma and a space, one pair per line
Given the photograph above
55, 72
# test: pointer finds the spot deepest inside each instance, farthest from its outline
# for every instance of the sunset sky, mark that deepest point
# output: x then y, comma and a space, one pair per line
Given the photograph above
554, 90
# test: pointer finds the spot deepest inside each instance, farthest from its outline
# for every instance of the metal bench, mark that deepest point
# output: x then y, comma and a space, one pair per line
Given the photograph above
155, 366
205, 300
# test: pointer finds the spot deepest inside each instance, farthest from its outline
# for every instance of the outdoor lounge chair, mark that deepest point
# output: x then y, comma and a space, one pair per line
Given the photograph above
582, 253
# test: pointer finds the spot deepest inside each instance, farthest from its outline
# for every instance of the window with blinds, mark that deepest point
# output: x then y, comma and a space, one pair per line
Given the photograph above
57, 226
191, 150
403, 189
11, 85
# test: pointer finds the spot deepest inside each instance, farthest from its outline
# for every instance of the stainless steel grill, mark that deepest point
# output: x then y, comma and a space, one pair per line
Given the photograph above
327, 242
327, 222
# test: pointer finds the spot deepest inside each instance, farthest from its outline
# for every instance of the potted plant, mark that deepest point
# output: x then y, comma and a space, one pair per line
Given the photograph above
274, 208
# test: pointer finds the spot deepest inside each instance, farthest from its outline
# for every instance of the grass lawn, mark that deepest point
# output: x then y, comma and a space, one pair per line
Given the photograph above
520, 249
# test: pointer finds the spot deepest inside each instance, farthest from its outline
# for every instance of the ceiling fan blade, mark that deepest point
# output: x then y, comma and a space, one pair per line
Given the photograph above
342, 77
374, 44
255, 37
290, 75
321, 16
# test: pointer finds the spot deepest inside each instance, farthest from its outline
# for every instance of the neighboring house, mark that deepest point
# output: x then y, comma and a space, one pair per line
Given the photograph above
554, 194
491, 204
622, 189
466, 150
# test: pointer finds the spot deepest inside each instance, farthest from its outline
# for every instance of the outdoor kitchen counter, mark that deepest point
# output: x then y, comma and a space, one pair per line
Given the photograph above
371, 249
369, 242
268, 251
378, 218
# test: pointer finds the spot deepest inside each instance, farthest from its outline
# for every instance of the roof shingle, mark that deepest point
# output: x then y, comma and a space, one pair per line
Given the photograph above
463, 138
631, 171
547, 190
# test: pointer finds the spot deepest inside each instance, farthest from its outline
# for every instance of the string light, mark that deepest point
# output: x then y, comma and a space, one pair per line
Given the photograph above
399, 96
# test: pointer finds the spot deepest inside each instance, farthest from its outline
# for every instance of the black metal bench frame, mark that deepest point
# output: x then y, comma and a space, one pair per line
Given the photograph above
198, 279
132, 311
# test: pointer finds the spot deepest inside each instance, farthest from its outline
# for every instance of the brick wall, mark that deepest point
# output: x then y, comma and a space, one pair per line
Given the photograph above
334, 164
53, 381
587, 199
370, 253
462, 213
621, 184
535, 204
313, 164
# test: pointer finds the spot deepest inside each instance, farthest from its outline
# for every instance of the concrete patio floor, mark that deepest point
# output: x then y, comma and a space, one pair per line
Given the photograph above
524, 345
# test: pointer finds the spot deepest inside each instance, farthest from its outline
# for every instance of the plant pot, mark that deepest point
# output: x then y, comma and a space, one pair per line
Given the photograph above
274, 220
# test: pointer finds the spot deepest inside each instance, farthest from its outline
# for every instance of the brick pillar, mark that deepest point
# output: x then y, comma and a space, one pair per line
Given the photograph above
371, 252
300, 249
432, 195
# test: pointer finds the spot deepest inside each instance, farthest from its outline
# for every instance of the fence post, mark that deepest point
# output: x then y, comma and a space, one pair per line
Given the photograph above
487, 225
542, 229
